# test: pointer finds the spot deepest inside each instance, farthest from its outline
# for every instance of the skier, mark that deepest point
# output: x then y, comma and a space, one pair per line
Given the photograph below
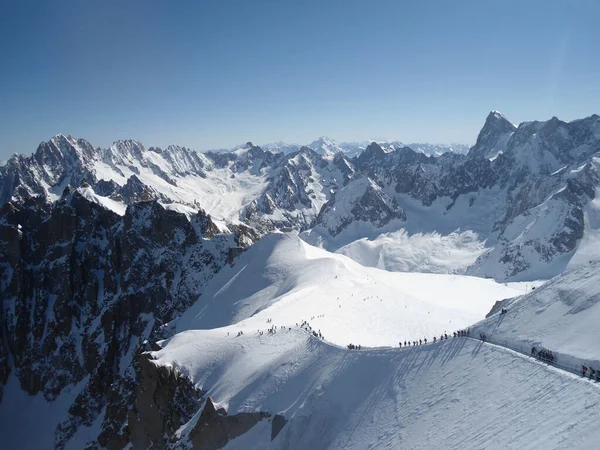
434, 339
583, 370
533, 351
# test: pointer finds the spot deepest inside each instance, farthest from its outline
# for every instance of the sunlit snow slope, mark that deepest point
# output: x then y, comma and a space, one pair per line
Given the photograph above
562, 315
459, 394
284, 279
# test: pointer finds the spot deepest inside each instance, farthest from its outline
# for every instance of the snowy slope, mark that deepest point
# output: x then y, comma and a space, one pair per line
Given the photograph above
562, 315
284, 279
108, 203
459, 394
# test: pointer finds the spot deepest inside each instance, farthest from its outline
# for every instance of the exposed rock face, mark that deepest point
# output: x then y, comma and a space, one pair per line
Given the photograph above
164, 400
82, 288
360, 201
493, 137
215, 428
301, 184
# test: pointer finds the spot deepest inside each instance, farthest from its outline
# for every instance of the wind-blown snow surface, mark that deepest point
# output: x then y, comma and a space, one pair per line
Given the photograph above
458, 394
284, 279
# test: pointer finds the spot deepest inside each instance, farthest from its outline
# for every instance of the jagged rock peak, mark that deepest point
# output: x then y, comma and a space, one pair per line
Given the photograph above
499, 121
493, 137
128, 146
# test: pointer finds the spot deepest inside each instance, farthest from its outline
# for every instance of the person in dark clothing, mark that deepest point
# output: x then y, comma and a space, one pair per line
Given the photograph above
533, 351
583, 370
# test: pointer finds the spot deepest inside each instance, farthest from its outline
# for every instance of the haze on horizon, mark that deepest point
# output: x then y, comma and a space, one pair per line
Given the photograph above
213, 75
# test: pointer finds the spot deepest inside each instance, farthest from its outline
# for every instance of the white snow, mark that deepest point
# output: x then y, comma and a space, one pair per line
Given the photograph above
284, 279
562, 315
108, 203
459, 394
421, 252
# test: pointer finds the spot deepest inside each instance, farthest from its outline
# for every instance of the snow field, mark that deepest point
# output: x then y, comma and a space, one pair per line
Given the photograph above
283, 279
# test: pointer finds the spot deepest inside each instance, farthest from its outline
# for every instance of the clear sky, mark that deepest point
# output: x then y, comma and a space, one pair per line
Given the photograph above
208, 74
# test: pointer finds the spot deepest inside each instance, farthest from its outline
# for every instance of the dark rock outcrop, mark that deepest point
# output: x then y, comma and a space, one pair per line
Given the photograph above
215, 428
82, 290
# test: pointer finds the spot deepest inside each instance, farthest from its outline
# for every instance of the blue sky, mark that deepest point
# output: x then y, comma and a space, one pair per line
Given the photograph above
214, 74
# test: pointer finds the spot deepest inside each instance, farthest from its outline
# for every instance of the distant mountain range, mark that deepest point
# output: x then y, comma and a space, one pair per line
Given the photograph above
327, 146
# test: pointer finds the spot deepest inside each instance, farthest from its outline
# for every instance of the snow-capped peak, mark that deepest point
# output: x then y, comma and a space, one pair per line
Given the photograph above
325, 146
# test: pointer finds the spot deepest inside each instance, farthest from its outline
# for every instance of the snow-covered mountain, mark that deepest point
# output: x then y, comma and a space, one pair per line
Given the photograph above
327, 146
525, 191
298, 386
105, 252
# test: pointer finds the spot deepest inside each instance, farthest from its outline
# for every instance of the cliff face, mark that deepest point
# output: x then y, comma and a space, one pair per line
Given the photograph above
84, 288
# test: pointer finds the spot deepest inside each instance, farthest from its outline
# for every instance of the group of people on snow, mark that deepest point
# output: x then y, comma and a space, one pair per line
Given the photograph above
542, 354
442, 337
593, 374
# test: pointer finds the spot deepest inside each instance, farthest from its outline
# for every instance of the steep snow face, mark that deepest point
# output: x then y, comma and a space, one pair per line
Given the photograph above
562, 315
453, 395
116, 207
284, 279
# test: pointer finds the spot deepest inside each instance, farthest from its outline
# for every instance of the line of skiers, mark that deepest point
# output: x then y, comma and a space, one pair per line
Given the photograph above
542, 354
354, 347
593, 374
